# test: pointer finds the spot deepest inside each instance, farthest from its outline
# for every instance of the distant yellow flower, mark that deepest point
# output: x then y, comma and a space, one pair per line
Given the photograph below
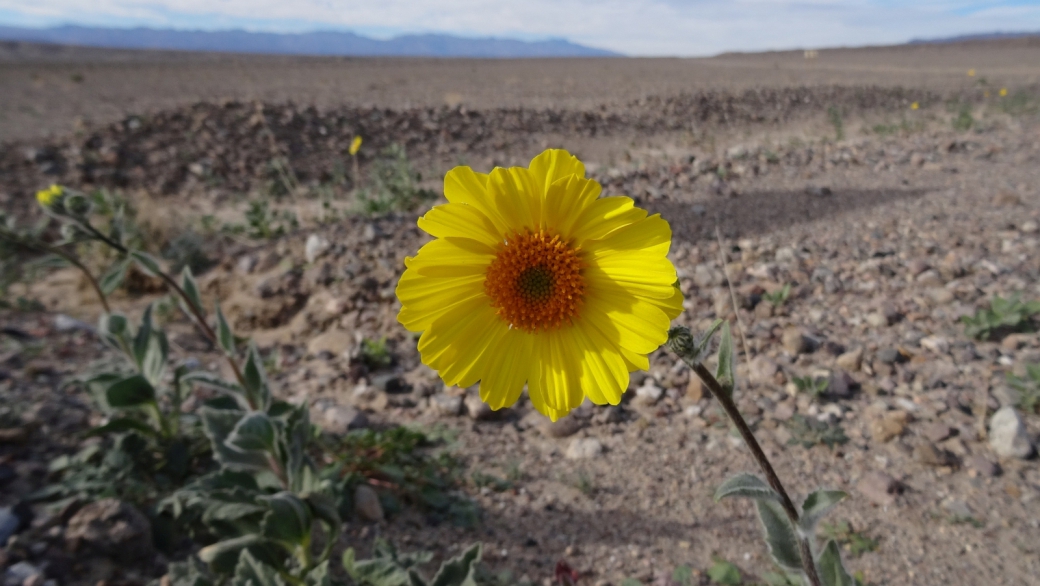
971, 73
915, 106
985, 94
47, 196
1003, 92
355, 146
534, 279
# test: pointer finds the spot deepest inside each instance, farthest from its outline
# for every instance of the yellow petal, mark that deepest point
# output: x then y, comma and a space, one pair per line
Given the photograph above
651, 236
554, 164
461, 221
455, 343
603, 216
464, 186
506, 370
516, 197
673, 306
604, 374
626, 320
448, 257
565, 200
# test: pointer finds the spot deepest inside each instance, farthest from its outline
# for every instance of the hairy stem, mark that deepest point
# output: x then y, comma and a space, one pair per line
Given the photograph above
683, 348
194, 311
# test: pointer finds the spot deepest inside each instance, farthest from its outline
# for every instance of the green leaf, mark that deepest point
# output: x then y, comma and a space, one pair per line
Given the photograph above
190, 573
252, 572
723, 572
147, 263
218, 425
123, 425
212, 381
112, 279
211, 553
256, 378
747, 486
134, 391
459, 570
254, 432
704, 342
224, 335
780, 536
289, 519
816, 506
683, 575
191, 291
832, 572
231, 511
319, 576
725, 371
378, 571
323, 507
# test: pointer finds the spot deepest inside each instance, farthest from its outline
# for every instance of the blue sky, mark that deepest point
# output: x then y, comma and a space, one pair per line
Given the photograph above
632, 27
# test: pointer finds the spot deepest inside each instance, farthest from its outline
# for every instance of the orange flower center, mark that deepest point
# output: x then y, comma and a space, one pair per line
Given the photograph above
535, 281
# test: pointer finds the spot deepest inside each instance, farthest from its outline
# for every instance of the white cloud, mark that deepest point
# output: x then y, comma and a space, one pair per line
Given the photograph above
635, 27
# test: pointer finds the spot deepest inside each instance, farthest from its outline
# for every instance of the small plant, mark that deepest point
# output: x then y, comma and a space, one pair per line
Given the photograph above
854, 542
813, 386
394, 185
1004, 316
725, 573
375, 354
963, 121
1028, 388
809, 432
387, 567
836, 120
789, 530
779, 297
263, 222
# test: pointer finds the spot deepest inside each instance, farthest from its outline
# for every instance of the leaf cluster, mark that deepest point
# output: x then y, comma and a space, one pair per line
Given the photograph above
1028, 388
779, 297
394, 185
388, 567
814, 386
809, 432
1002, 317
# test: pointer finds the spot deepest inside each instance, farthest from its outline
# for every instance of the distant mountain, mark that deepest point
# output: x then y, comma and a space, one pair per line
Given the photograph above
312, 43
976, 37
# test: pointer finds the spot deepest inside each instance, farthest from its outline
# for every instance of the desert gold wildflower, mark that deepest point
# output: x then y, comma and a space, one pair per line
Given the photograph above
971, 73
46, 197
355, 146
1003, 92
915, 106
534, 279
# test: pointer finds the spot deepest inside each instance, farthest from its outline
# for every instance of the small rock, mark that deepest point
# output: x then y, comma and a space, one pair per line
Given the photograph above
339, 419
9, 524
937, 431
18, 574
889, 356
1029, 227
763, 369
649, 393
890, 425
584, 448
113, 528
64, 323
794, 342
335, 342
1007, 434
879, 488
929, 455
783, 411
367, 505
983, 466
957, 508
315, 247
941, 295
851, 361
611, 414
936, 344
446, 405
564, 427
478, 409
877, 320
694, 389
841, 385
246, 264
1015, 341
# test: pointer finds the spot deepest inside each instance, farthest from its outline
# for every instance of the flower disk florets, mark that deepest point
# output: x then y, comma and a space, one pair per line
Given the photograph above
535, 282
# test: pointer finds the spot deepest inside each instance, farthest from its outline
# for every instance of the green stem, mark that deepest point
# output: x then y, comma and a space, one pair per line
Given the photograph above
681, 342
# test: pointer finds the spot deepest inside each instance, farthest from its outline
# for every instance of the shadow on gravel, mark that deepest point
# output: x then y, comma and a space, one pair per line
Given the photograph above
761, 212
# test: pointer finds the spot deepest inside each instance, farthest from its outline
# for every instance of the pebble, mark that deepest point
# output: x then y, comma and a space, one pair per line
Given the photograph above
926, 453
850, 361
339, 419
335, 342
316, 246
9, 524
478, 409
563, 427
763, 369
1007, 434
794, 341
649, 393
888, 355
113, 528
64, 323
937, 431
367, 505
584, 448
446, 405
983, 466
890, 425
936, 344
879, 488
21, 572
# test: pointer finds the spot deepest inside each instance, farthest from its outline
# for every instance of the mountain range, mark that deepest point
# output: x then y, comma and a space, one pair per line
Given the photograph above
337, 43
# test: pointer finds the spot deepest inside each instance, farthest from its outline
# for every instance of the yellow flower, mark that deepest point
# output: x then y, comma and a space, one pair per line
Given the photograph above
534, 279
355, 146
47, 196
915, 106
1003, 92
971, 73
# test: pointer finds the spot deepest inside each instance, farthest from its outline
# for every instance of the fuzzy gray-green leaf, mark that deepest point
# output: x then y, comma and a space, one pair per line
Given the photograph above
112, 279
218, 425
148, 264
254, 432
252, 572
816, 506
704, 342
725, 372
832, 572
210, 553
133, 391
224, 333
459, 570
780, 536
191, 291
747, 486
289, 519
256, 378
